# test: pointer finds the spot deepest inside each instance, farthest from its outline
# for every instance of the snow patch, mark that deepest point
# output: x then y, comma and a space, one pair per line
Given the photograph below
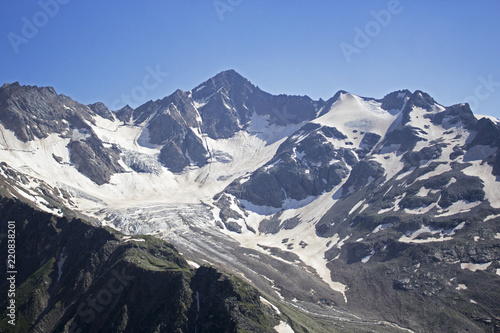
491, 217
79, 134
192, 264
269, 304
493, 119
295, 204
491, 188
60, 264
381, 227
356, 206
461, 206
134, 240
420, 210
475, 267
444, 235
261, 210
283, 327
351, 111
368, 257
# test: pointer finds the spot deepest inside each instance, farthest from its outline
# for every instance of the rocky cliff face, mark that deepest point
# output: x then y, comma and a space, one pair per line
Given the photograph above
218, 109
35, 113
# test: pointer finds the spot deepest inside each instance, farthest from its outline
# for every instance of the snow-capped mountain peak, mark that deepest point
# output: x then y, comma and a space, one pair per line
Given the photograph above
333, 190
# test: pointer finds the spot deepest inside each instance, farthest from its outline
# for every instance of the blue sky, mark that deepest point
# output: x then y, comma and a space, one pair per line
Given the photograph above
134, 51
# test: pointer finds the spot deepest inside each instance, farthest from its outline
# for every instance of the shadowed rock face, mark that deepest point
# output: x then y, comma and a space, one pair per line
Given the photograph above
33, 112
189, 150
299, 169
80, 278
219, 108
93, 160
231, 100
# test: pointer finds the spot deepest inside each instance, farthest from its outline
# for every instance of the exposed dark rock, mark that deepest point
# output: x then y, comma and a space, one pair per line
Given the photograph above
367, 144
406, 136
488, 134
230, 100
465, 188
124, 114
34, 113
299, 169
415, 158
101, 109
332, 132
362, 174
454, 116
227, 304
187, 150
418, 99
93, 160
224, 202
395, 101
263, 190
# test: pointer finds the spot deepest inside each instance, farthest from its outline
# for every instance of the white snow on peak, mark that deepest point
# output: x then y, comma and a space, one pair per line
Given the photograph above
493, 119
351, 113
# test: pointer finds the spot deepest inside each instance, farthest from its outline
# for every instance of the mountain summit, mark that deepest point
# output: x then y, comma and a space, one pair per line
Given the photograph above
376, 211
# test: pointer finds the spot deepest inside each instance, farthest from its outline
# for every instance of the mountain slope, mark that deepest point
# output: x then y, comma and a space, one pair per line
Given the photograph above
380, 209
78, 278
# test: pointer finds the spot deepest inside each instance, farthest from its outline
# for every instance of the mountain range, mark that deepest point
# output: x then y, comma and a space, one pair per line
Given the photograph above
350, 214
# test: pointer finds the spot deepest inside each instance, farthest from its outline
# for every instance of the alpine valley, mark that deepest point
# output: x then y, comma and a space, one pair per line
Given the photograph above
228, 209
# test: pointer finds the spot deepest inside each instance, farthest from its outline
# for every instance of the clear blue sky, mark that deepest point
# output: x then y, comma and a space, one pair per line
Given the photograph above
101, 50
